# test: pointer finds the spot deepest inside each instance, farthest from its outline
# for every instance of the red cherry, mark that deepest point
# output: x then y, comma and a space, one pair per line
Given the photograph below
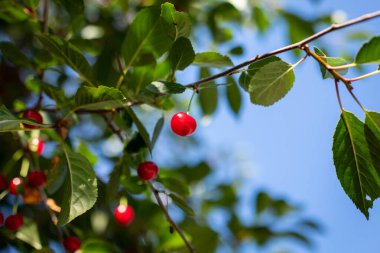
15, 186
40, 147
13, 222
71, 243
1, 218
32, 115
36, 179
3, 182
183, 124
124, 214
147, 171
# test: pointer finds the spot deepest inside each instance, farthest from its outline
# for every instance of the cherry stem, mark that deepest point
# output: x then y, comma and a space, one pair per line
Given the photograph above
169, 218
191, 100
3, 194
15, 204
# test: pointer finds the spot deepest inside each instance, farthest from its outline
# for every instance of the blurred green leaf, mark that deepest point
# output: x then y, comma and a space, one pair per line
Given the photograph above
175, 184
157, 130
181, 54
208, 98
163, 87
136, 144
133, 184
212, 60
32, 3
101, 97
181, 203
12, 12
14, 54
29, 233
294, 235
196, 173
73, 7
236, 50
80, 188
369, 52
84, 150
261, 20
140, 126
353, 155
98, 246
202, 237
263, 201
233, 95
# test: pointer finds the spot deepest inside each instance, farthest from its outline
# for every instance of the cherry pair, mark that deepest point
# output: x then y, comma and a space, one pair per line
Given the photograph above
12, 222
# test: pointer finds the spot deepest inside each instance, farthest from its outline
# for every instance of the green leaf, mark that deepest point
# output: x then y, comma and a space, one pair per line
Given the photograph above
43, 250
157, 130
369, 52
80, 188
261, 20
29, 233
14, 54
101, 97
69, 54
32, 3
372, 121
181, 54
212, 60
356, 168
98, 246
9, 122
180, 20
163, 87
57, 94
133, 184
73, 7
263, 201
12, 12
271, 83
175, 184
149, 33
84, 150
233, 95
238, 50
181, 203
142, 130
332, 61
208, 98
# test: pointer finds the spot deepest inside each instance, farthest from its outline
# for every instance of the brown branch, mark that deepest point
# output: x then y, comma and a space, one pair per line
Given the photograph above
113, 127
169, 218
299, 45
44, 22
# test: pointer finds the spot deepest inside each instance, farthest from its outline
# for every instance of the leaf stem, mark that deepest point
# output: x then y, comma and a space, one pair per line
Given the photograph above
338, 95
169, 219
363, 76
346, 66
191, 100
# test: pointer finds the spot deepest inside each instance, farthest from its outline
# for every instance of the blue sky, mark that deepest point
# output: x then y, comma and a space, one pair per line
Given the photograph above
287, 147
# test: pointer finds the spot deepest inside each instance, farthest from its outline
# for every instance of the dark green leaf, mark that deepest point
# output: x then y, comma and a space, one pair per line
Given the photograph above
142, 130
212, 60
73, 7
175, 184
181, 203
237, 50
80, 188
310, 224
203, 237
32, 3
157, 130
12, 12
14, 54
233, 95
295, 235
136, 144
163, 87
208, 98
180, 20
356, 168
369, 52
43, 250
261, 20
332, 61
69, 54
181, 54
133, 184
372, 120
9, 122
101, 97
138, 78
98, 246
263, 201
196, 173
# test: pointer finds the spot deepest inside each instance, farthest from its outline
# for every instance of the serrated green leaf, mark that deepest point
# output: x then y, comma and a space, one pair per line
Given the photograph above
369, 52
181, 203
261, 20
212, 60
29, 233
372, 120
14, 54
332, 61
148, 33
101, 97
163, 87
98, 246
80, 188
142, 130
233, 95
180, 20
357, 162
271, 83
208, 98
10, 123
69, 54
73, 7
181, 54
157, 130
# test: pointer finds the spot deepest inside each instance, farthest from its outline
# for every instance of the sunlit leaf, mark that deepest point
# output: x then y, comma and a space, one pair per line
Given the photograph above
101, 97
181, 54
212, 60
369, 52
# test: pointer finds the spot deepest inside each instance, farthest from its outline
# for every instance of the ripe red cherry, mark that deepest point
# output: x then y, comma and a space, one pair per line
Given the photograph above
40, 147
3, 182
1, 218
124, 214
14, 221
15, 186
71, 243
183, 124
147, 171
32, 115
36, 179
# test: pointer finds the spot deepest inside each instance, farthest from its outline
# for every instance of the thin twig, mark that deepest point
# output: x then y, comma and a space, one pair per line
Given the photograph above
364, 76
299, 44
113, 127
169, 219
338, 95
44, 22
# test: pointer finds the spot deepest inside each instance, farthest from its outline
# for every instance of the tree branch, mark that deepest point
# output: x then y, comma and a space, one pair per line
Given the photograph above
169, 219
299, 44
